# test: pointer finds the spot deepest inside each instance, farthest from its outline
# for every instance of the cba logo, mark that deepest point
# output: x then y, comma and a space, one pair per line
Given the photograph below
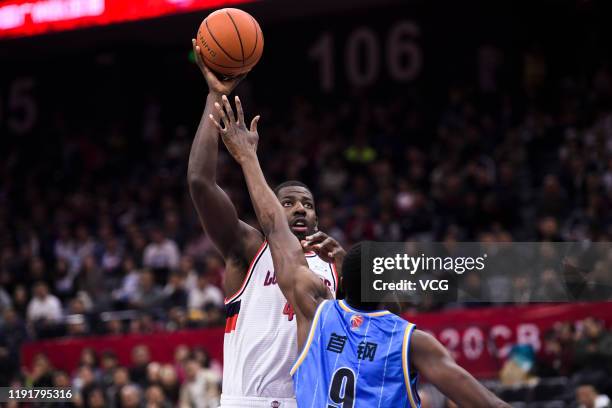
356, 322
275, 404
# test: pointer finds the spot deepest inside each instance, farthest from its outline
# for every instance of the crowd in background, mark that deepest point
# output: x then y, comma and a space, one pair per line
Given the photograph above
191, 380
95, 225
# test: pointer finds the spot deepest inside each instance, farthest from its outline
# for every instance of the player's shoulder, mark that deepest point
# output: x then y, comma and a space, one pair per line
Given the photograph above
395, 318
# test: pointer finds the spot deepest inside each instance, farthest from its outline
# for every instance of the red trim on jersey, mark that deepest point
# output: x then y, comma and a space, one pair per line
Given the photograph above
310, 253
230, 323
333, 267
249, 272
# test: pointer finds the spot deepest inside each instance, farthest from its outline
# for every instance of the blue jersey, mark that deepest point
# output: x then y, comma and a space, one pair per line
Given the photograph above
354, 359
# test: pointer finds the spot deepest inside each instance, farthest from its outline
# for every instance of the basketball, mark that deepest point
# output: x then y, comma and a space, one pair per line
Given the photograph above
230, 41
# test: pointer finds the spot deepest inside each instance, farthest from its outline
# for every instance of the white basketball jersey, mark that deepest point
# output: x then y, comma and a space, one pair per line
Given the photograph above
260, 344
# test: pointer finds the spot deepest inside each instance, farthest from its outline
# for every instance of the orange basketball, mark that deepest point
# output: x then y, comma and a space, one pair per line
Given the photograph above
230, 41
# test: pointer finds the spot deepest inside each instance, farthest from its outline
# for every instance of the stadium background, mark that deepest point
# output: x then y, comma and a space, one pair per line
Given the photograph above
410, 120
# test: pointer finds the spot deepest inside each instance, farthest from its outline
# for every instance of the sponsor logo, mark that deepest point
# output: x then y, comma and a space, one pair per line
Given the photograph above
356, 322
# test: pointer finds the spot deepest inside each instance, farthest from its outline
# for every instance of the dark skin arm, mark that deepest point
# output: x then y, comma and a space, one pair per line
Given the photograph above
303, 288
237, 241
434, 362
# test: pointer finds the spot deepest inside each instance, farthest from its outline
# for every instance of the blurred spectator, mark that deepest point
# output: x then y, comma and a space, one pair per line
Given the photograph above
588, 397
169, 382
516, 371
91, 280
5, 300
130, 396
214, 268
177, 319
161, 253
112, 256
96, 398
84, 381
174, 293
155, 398
181, 355
12, 334
521, 289
387, 229
64, 279
20, 301
44, 306
593, 355
203, 293
557, 354
108, 366
121, 378
128, 288
188, 272
153, 369
203, 358
89, 358
114, 327
200, 387
61, 379
42, 372
149, 295
549, 288
144, 324
140, 360
85, 245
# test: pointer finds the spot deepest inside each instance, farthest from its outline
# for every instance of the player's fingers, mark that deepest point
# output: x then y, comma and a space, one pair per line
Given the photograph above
228, 109
196, 53
316, 237
309, 246
326, 245
239, 111
222, 115
195, 47
254, 123
207, 70
217, 125
332, 254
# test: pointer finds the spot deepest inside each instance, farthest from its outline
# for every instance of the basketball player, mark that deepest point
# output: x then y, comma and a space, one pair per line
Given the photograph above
352, 355
260, 334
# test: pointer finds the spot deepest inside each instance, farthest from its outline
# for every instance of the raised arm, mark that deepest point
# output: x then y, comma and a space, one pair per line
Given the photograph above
433, 361
302, 288
235, 239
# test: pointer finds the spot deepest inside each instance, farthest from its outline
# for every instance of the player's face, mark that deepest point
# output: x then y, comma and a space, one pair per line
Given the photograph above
298, 204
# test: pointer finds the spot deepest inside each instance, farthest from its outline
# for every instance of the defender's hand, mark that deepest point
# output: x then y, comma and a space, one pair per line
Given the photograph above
215, 85
240, 141
326, 247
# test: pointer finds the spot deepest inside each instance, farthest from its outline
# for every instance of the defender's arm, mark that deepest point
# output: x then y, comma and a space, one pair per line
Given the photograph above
302, 288
433, 361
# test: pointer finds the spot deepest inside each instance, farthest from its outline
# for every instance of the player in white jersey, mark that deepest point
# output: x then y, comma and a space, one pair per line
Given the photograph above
259, 345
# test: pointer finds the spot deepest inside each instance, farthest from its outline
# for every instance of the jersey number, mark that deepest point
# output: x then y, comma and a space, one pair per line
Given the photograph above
342, 390
288, 310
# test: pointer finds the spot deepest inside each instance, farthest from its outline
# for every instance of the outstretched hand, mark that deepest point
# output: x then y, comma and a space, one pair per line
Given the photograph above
325, 246
215, 85
240, 141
